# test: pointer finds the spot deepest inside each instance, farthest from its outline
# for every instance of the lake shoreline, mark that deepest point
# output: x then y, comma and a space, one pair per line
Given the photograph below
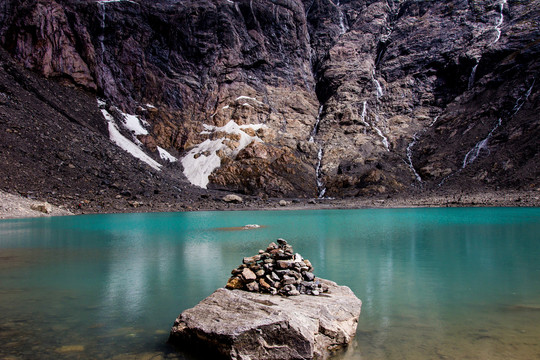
16, 206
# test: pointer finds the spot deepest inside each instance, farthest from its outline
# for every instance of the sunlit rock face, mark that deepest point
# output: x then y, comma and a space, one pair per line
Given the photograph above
237, 324
305, 98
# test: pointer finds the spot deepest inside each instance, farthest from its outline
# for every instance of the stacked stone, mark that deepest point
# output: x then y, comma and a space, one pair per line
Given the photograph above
276, 270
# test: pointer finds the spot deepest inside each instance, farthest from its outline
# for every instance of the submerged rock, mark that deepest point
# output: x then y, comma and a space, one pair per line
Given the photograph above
236, 324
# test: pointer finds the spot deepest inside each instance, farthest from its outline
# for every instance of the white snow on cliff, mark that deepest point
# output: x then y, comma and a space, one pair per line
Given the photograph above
203, 159
165, 155
126, 144
132, 123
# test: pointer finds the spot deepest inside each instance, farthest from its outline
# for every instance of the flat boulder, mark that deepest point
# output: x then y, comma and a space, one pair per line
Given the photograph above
243, 325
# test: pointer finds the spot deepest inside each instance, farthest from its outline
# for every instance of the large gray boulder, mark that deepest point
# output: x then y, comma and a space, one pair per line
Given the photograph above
242, 325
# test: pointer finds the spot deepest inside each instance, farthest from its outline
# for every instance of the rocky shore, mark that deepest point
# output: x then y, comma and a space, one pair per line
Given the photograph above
18, 206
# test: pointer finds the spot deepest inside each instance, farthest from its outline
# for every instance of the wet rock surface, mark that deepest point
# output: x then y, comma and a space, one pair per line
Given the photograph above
238, 324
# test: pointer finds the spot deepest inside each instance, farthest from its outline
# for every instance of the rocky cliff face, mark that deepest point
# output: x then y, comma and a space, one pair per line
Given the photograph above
299, 98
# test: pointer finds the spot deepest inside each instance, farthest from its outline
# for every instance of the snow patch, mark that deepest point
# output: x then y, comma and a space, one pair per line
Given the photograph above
247, 98
165, 155
125, 143
203, 159
134, 124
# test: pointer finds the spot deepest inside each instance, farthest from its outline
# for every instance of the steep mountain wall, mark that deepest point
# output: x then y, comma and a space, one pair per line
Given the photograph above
303, 98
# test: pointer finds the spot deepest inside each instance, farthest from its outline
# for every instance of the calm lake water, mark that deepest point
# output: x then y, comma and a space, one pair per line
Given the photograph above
435, 283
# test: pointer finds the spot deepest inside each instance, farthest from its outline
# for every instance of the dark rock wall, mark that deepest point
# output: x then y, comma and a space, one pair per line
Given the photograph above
359, 97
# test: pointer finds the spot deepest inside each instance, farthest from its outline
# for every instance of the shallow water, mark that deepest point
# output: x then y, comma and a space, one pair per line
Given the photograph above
435, 283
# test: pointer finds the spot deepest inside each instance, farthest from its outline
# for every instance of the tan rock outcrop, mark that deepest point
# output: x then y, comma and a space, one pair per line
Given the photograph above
237, 324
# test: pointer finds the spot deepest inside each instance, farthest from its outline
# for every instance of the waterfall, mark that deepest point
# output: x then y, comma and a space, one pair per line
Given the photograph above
471, 156
321, 189
363, 116
499, 23
409, 156
364, 110
471, 78
373, 125
378, 87
434, 121
309, 8
342, 27
380, 133
521, 100
409, 150
101, 37
481, 145
316, 126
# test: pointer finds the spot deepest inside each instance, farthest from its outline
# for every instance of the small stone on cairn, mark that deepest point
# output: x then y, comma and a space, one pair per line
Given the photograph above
278, 270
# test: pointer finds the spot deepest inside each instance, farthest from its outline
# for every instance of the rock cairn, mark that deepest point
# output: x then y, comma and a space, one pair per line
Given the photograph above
276, 270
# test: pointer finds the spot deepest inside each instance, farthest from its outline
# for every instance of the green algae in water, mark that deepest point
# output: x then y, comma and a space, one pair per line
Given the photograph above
435, 283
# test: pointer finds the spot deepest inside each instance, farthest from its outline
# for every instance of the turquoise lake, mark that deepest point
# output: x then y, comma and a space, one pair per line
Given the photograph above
452, 283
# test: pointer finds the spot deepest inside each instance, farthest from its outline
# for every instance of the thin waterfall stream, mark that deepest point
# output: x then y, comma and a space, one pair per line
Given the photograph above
321, 189
482, 145
409, 157
342, 27
500, 21
316, 126
409, 151
472, 76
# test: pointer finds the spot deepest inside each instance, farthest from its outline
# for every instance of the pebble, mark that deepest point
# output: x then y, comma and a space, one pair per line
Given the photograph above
308, 276
248, 275
252, 286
